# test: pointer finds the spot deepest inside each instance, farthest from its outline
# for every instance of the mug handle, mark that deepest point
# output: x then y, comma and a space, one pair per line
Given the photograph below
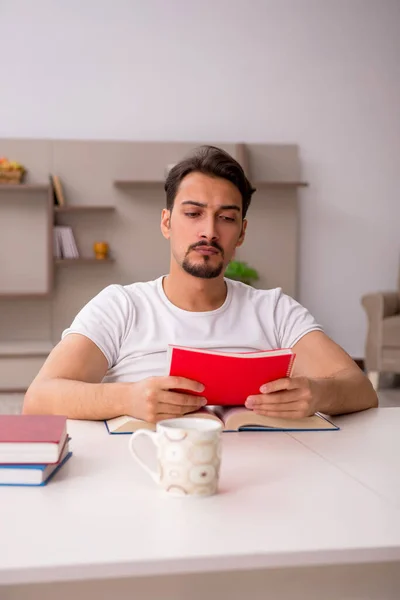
153, 436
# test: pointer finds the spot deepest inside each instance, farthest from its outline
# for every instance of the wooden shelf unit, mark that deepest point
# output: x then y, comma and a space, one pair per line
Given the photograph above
20, 362
25, 348
241, 154
38, 190
65, 262
280, 184
126, 184
80, 209
25, 296
24, 187
83, 208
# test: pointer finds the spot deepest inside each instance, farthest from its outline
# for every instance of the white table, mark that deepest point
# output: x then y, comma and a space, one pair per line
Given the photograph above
312, 514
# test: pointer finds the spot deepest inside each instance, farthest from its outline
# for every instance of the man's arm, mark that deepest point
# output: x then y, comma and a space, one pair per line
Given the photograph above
69, 384
324, 379
339, 385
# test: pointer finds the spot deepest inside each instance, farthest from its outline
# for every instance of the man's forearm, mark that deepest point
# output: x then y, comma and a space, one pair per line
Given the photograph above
77, 399
346, 392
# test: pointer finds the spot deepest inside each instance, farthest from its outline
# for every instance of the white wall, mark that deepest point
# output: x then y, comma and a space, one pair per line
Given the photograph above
322, 73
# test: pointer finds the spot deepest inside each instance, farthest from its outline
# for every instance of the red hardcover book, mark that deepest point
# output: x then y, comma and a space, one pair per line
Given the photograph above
229, 378
31, 439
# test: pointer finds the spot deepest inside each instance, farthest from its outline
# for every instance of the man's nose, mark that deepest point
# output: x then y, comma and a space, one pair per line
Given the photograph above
209, 231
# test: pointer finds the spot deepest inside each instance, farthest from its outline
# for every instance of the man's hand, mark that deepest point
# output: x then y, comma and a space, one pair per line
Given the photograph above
157, 398
289, 398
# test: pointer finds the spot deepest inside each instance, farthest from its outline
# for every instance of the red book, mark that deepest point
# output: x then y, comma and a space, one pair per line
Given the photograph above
31, 439
229, 378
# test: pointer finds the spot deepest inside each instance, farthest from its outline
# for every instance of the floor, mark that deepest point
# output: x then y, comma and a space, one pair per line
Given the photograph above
12, 403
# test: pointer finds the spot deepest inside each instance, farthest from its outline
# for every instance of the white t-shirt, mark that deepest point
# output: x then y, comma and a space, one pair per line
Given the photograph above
133, 325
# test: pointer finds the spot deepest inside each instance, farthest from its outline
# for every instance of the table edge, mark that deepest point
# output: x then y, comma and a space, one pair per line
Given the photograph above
160, 567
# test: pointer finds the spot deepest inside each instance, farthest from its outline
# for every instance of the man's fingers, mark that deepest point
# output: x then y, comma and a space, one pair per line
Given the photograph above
286, 397
176, 409
292, 407
287, 383
179, 399
172, 409
276, 386
163, 416
181, 383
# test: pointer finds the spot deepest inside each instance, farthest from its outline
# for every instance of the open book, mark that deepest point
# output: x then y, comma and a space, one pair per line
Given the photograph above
233, 419
229, 378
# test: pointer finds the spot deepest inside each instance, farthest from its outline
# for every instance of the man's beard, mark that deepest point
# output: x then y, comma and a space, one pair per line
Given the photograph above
203, 270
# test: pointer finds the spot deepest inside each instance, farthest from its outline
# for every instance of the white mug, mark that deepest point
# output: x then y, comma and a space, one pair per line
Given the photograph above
188, 453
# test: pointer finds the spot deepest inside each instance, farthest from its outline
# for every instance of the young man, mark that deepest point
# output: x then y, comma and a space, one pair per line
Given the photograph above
112, 360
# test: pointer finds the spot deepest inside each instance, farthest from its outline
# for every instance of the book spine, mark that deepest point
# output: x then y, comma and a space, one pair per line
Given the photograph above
290, 366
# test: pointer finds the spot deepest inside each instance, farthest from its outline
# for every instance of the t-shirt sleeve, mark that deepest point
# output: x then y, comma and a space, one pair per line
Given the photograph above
104, 320
292, 320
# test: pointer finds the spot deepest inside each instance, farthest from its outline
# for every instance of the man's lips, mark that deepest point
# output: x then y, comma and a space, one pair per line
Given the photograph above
207, 250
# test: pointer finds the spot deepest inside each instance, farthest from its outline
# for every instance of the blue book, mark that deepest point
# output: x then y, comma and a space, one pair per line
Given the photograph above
32, 474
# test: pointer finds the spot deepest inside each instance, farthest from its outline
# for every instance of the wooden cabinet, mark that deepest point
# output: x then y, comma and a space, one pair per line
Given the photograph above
26, 238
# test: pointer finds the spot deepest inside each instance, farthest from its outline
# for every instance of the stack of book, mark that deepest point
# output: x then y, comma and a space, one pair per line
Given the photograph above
64, 243
32, 448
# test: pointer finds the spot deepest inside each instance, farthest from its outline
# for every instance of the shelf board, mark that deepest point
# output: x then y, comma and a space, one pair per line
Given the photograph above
280, 184
24, 187
82, 208
25, 348
131, 183
24, 295
65, 262
125, 184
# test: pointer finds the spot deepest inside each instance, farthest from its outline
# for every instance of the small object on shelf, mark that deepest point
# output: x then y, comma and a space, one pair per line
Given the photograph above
101, 250
11, 171
64, 244
65, 262
59, 198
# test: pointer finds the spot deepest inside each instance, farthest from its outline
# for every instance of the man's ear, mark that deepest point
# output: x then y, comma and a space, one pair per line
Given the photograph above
166, 223
242, 234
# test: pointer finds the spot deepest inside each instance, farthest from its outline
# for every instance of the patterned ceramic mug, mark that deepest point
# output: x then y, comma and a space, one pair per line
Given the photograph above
188, 453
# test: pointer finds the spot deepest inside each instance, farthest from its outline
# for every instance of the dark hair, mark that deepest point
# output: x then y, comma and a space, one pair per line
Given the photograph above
210, 161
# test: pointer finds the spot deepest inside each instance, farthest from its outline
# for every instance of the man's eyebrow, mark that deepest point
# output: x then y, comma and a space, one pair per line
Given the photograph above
221, 207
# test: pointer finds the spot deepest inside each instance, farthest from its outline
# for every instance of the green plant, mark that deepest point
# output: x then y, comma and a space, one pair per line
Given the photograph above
240, 271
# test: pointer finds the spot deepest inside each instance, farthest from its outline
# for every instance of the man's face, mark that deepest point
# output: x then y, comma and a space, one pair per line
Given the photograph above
205, 226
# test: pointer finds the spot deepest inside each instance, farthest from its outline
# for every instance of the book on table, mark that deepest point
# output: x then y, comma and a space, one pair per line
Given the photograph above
32, 439
232, 419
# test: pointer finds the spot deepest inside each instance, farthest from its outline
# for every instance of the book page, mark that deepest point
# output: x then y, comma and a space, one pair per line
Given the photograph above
125, 424
240, 417
246, 354
206, 413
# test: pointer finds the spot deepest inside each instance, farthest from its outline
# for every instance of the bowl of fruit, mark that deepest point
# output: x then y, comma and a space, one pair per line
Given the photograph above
11, 171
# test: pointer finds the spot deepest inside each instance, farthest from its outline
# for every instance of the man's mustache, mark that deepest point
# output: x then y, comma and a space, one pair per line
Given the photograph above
209, 244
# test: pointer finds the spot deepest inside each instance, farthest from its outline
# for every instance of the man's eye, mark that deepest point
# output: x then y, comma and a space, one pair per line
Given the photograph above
229, 219
191, 214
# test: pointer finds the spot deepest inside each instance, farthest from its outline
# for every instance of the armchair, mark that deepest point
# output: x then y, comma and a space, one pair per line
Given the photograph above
382, 348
